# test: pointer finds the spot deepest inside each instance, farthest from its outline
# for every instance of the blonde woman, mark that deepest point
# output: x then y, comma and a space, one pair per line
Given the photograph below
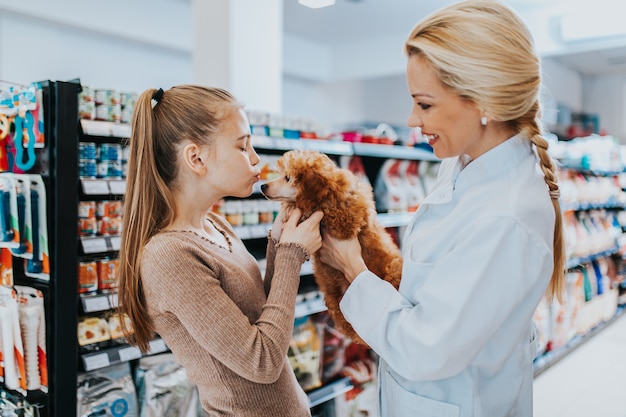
486, 244
185, 275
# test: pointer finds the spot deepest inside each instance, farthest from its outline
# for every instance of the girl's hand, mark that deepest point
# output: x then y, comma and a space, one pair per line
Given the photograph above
307, 234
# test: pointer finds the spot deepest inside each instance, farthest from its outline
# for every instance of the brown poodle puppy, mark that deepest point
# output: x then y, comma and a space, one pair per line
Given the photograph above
311, 181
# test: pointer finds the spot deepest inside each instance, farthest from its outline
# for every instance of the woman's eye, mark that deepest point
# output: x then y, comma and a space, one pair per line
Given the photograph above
424, 106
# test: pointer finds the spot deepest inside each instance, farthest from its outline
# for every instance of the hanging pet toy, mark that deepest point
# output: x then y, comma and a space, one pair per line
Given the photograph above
25, 122
5, 128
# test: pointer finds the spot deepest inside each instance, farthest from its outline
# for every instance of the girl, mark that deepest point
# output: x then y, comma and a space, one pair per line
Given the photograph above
185, 275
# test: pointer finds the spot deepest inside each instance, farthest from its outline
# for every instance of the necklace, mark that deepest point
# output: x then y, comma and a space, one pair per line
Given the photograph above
229, 244
223, 233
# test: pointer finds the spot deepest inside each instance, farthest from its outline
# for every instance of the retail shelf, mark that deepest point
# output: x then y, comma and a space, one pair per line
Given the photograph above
548, 359
100, 244
94, 186
343, 148
107, 129
395, 219
311, 305
612, 203
280, 144
393, 151
574, 262
595, 172
118, 354
256, 231
329, 391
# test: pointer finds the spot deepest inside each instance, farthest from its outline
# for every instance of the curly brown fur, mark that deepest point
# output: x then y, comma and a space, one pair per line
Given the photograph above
311, 181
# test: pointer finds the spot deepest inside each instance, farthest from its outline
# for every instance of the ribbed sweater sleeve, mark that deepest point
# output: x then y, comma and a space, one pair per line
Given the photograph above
269, 262
213, 294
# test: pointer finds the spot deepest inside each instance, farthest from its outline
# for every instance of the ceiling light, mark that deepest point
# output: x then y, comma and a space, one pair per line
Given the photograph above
316, 4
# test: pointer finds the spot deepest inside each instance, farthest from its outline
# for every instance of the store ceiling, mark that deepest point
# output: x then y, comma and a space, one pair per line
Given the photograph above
357, 20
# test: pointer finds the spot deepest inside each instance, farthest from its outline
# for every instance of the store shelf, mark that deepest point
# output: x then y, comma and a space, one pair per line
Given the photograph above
393, 151
548, 359
106, 129
119, 354
574, 262
321, 145
343, 148
395, 219
582, 206
329, 391
93, 186
256, 231
312, 305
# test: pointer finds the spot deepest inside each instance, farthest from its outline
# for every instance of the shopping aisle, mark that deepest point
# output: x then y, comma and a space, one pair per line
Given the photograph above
589, 381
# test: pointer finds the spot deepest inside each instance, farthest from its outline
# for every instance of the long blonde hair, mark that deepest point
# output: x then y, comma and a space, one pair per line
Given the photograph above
482, 51
161, 122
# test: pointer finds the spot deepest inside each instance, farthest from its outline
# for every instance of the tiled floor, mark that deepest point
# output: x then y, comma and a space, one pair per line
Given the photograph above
590, 381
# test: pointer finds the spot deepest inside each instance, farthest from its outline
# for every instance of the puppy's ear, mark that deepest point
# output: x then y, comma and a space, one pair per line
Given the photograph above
313, 190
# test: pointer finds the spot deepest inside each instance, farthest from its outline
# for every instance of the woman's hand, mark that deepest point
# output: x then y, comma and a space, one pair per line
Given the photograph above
343, 255
307, 234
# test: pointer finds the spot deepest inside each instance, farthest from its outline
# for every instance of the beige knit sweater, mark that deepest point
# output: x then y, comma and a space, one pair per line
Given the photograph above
209, 305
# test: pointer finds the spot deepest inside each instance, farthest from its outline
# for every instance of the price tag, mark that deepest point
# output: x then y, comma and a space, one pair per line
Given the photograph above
99, 303
94, 245
157, 346
116, 242
96, 128
95, 187
100, 360
117, 186
129, 353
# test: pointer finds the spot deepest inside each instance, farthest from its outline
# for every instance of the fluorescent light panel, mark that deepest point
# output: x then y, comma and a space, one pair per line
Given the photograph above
592, 25
316, 4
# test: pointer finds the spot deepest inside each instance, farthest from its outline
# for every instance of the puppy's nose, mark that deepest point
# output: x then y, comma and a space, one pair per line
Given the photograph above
263, 187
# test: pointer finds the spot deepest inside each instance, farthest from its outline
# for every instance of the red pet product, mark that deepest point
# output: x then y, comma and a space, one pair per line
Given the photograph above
87, 276
87, 226
107, 273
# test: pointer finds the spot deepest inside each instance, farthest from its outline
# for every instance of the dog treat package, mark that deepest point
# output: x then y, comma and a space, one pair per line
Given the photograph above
305, 353
333, 347
107, 392
355, 165
361, 369
164, 390
414, 187
390, 188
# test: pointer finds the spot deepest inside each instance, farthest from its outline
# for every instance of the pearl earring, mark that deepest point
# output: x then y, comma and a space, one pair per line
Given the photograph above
483, 120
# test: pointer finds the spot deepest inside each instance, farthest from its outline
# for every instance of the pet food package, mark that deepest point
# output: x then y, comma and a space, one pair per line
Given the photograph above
33, 331
333, 347
414, 188
305, 353
361, 369
107, 392
164, 390
390, 188
12, 368
354, 164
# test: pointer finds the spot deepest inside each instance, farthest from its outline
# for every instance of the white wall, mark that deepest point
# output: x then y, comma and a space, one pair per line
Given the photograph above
118, 44
103, 47
604, 96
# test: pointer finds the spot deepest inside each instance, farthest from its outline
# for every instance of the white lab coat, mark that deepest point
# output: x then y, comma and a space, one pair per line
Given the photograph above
457, 338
